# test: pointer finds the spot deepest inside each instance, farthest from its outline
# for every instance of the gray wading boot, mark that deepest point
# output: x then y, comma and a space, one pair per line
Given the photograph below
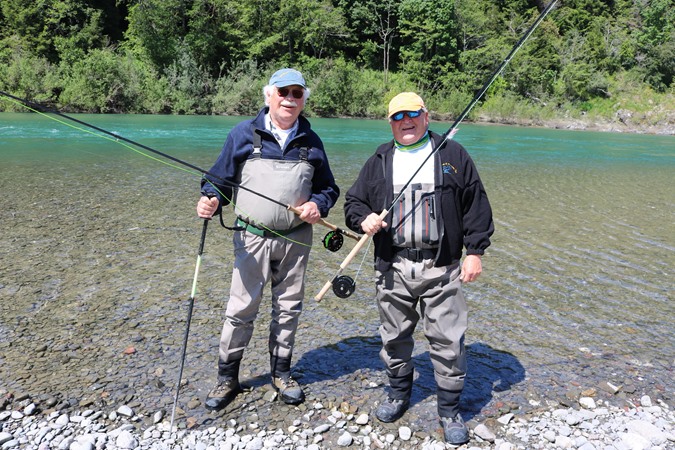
227, 388
398, 401
455, 431
289, 390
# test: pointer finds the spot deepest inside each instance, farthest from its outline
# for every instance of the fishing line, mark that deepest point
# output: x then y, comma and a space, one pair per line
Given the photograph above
113, 137
447, 136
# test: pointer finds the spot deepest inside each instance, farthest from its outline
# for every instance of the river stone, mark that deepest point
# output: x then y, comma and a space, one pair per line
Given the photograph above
11, 444
125, 411
405, 433
322, 428
646, 401
484, 433
587, 402
62, 421
345, 440
362, 419
125, 440
647, 431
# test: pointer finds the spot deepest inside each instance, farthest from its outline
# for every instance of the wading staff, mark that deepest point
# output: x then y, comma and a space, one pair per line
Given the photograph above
43, 110
189, 319
447, 136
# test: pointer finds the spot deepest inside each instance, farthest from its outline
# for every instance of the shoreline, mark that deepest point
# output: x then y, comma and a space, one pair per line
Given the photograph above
618, 126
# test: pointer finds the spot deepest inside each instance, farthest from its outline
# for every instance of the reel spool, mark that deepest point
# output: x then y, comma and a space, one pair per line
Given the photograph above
343, 286
333, 241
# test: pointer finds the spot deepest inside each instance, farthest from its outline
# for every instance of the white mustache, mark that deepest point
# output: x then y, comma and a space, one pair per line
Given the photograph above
289, 103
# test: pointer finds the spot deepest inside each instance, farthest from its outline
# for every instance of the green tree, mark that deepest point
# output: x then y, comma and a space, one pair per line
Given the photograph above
217, 32
156, 30
429, 45
316, 30
656, 42
99, 83
54, 29
377, 22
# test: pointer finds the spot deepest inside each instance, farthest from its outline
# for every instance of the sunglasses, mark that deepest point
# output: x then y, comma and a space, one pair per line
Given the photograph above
296, 93
400, 115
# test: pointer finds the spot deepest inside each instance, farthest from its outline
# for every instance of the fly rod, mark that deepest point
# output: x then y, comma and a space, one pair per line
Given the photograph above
41, 109
191, 305
447, 136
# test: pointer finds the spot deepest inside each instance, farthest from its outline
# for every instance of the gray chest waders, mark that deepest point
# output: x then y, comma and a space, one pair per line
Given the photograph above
289, 181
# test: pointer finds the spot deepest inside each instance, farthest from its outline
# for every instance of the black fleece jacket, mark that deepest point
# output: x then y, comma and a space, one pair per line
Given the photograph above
459, 194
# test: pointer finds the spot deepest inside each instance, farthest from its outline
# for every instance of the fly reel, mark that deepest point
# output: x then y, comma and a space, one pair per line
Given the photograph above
333, 241
343, 286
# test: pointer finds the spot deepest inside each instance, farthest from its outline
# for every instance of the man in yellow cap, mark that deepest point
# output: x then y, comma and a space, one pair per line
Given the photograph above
437, 208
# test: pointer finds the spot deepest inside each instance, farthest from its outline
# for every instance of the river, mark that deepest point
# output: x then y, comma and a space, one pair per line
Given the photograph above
99, 246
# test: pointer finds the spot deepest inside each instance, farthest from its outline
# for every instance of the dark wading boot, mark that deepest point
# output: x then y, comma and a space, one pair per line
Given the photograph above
398, 401
391, 410
454, 430
227, 388
289, 390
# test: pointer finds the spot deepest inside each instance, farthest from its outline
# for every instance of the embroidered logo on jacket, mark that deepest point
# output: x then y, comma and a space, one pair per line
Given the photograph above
448, 168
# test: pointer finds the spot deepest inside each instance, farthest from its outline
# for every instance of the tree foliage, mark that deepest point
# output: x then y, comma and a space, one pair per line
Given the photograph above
213, 56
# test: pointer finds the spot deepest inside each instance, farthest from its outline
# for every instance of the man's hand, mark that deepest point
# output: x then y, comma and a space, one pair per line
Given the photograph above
309, 212
206, 207
471, 268
372, 224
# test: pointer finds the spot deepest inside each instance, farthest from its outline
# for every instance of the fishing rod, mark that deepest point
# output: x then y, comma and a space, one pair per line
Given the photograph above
191, 305
343, 286
332, 241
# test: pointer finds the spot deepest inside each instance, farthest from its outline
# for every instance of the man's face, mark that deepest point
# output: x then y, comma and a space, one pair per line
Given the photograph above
408, 131
285, 106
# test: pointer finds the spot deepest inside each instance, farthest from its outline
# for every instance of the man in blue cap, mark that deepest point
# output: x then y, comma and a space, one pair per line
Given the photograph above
278, 155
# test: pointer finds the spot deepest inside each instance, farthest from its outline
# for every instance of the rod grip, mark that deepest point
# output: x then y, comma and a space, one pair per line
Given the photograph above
323, 290
347, 233
348, 259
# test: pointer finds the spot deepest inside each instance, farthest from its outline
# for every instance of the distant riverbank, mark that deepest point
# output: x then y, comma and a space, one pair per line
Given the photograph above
624, 121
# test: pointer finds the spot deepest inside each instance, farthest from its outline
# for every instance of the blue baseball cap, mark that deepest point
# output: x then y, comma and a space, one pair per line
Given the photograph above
287, 77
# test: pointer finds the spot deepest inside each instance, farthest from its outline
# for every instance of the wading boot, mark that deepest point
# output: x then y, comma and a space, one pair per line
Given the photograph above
391, 409
398, 401
289, 390
454, 430
227, 388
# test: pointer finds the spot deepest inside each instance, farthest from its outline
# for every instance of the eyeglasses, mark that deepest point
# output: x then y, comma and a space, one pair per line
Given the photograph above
296, 93
411, 114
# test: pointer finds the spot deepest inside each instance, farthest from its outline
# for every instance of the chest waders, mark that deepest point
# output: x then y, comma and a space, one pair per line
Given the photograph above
290, 181
415, 219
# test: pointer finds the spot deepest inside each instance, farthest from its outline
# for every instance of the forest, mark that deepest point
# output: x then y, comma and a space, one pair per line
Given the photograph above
588, 57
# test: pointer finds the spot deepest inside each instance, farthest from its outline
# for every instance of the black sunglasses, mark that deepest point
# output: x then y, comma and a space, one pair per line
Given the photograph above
296, 93
400, 115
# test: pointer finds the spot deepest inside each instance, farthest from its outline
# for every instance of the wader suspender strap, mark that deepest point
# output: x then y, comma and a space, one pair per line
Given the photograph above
257, 152
257, 142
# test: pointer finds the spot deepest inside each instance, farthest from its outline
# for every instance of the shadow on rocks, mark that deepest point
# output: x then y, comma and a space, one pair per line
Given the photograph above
489, 371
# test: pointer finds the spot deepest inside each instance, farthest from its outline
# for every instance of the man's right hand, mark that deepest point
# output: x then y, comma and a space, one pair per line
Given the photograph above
206, 207
372, 224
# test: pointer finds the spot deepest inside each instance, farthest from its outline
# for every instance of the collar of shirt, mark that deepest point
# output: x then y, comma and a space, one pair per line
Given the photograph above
412, 147
282, 136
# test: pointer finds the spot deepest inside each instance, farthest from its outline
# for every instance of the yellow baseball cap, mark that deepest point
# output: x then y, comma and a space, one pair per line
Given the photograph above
405, 101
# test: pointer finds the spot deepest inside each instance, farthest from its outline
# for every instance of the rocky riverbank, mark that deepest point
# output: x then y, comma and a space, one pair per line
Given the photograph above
589, 425
659, 121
